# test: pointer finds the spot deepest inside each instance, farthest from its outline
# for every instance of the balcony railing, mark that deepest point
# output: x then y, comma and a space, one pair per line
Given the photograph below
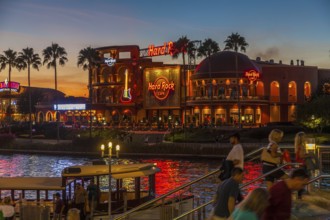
227, 98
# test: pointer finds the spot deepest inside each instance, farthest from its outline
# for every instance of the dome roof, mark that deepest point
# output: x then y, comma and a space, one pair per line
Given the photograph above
222, 65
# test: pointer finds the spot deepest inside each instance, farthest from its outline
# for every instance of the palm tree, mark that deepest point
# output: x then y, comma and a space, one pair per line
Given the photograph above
88, 59
52, 55
208, 48
180, 47
9, 58
235, 42
27, 59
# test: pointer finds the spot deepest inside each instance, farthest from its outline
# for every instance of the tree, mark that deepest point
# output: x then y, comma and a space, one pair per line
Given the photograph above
208, 48
88, 59
9, 58
27, 59
52, 55
235, 42
314, 114
180, 47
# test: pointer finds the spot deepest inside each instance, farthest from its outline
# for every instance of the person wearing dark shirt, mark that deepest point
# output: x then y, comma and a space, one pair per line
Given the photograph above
93, 192
59, 206
281, 195
227, 194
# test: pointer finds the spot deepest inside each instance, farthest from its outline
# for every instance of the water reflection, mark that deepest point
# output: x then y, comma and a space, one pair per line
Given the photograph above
174, 172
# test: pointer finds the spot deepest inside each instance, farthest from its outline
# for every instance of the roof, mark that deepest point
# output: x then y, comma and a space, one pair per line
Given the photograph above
55, 183
118, 171
223, 65
31, 183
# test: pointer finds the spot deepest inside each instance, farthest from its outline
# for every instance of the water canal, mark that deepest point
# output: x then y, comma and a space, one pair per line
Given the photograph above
174, 171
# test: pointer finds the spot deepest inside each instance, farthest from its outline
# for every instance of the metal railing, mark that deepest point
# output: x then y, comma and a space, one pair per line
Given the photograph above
146, 204
318, 177
257, 153
241, 187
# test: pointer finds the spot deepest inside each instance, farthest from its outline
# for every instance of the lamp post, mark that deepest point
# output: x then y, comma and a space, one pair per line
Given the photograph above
109, 155
310, 145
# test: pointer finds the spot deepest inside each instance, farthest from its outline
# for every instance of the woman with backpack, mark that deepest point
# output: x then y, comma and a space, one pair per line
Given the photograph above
271, 158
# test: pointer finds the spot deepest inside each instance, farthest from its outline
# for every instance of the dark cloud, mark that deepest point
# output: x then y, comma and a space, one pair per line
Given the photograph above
270, 53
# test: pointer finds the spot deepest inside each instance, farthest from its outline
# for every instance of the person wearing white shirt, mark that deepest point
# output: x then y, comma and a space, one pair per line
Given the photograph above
7, 209
236, 154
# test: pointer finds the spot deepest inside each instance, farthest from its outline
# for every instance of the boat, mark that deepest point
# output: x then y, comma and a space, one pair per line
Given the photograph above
131, 185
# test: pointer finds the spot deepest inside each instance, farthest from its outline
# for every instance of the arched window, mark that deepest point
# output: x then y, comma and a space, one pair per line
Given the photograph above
307, 90
106, 75
40, 117
121, 74
260, 89
274, 91
292, 91
221, 90
49, 116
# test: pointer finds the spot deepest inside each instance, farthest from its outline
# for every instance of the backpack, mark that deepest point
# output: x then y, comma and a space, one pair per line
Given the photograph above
225, 169
267, 157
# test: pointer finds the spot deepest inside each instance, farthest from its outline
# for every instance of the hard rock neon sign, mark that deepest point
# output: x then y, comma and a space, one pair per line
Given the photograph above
6, 85
161, 88
109, 61
252, 75
160, 50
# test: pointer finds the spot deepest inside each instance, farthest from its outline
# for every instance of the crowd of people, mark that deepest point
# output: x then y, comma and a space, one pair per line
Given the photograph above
272, 202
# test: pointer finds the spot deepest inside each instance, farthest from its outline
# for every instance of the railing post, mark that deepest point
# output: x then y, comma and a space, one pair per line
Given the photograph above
125, 200
204, 210
199, 214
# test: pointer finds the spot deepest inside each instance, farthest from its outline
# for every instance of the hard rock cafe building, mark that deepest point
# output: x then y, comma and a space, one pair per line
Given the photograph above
129, 88
223, 89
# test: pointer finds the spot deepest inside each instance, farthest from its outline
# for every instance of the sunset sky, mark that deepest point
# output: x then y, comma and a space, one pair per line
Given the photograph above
280, 30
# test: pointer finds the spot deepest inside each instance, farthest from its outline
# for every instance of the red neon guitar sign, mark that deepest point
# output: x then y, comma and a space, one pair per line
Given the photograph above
126, 94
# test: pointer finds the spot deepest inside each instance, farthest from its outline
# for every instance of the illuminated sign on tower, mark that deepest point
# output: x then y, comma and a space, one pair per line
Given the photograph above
167, 48
6, 86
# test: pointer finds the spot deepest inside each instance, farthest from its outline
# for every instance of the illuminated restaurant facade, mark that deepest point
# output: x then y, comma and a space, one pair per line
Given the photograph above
227, 88
222, 89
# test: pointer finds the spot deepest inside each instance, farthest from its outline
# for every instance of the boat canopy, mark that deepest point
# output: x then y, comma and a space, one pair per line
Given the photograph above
31, 183
119, 171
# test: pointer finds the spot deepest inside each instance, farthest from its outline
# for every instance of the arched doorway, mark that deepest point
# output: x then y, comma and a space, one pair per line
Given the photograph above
274, 91
292, 91
49, 116
40, 117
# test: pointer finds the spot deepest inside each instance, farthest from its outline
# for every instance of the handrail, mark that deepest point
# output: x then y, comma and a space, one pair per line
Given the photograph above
189, 184
164, 195
318, 177
253, 152
242, 186
259, 150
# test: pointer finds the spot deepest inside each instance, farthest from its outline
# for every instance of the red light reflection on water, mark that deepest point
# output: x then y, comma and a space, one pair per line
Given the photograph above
251, 172
171, 176
174, 174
